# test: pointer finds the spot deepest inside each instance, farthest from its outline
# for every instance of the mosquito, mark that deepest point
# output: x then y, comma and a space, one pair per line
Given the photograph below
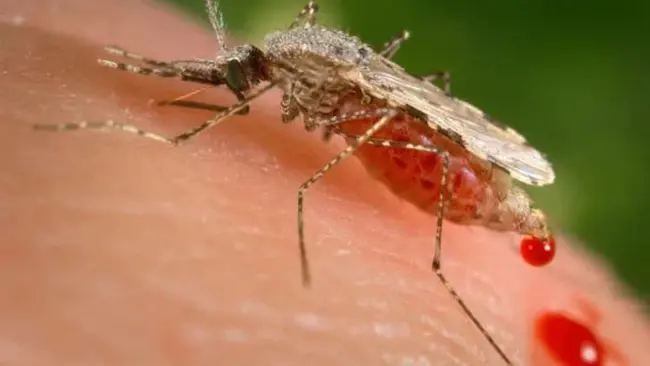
391, 120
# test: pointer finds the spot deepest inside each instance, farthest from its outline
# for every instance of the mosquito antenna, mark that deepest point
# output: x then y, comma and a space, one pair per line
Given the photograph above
218, 24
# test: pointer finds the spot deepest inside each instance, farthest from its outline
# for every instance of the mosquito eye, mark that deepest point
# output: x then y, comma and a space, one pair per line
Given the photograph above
363, 52
235, 76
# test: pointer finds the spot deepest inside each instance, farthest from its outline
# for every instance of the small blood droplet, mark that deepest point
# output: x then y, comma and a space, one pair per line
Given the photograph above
568, 342
537, 252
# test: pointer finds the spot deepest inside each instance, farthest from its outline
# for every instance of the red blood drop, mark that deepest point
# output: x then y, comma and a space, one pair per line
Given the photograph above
567, 341
537, 252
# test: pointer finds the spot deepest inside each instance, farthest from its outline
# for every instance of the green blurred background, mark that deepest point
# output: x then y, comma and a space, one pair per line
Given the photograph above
571, 76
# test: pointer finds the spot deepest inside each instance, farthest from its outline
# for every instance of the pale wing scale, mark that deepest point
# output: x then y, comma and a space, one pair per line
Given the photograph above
504, 147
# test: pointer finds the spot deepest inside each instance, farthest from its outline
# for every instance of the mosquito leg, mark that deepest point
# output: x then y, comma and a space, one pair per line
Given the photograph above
288, 106
386, 116
182, 101
436, 263
307, 16
391, 47
112, 125
243, 104
443, 200
394, 144
443, 76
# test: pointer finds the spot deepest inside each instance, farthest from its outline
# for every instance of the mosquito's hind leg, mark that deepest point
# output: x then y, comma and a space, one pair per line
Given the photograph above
436, 263
391, 47
443, 76
443, 200
307, 16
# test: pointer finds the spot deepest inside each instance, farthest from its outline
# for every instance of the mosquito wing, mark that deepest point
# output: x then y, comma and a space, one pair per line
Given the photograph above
460, 121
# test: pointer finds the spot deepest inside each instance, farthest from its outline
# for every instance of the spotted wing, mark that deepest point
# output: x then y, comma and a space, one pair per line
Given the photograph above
458, 120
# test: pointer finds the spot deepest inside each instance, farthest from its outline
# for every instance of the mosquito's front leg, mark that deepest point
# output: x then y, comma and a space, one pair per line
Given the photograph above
385, 115
112, 125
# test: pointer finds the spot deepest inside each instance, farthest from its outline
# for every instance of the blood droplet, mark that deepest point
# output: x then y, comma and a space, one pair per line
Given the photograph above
567, 341
537, 252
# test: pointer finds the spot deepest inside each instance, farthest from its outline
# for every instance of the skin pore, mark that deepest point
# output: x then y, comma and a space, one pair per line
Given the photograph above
118, 250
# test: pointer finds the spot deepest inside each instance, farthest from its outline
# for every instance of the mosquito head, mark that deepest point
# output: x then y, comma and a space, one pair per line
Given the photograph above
243, 67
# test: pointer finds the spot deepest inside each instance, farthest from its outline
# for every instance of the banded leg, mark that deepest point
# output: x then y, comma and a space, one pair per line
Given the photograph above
436, 262
396, 144
442, 76
288, 105
386, 115
176, 140
307, 16
391, 47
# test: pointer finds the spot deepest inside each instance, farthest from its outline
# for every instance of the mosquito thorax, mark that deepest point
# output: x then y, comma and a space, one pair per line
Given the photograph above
307, 63
319, 44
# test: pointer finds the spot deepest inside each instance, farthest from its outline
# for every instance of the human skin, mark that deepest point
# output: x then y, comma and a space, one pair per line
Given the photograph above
118, 250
